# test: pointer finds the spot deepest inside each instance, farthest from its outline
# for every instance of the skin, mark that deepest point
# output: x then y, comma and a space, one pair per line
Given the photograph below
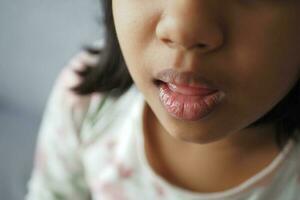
249, 50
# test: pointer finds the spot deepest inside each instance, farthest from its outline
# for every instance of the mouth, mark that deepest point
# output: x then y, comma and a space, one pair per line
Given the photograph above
188, 103
188, 90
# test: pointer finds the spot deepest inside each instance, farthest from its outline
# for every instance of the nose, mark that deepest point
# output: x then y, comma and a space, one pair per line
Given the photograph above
189, 25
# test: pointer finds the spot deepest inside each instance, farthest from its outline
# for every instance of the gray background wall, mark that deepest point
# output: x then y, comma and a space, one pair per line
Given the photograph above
37, 38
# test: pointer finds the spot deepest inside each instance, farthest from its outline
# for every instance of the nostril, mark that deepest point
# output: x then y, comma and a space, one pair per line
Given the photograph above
166, 40
200, 45
169, 43
157, 82
172, 44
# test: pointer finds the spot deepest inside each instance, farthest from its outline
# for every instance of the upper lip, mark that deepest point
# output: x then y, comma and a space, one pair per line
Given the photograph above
190, 79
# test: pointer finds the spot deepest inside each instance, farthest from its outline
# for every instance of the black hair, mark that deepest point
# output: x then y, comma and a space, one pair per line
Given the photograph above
111, 74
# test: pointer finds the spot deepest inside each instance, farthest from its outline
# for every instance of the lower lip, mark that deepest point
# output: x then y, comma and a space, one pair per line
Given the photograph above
188, 107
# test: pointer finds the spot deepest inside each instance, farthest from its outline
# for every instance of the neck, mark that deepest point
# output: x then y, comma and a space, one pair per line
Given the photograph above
233, 159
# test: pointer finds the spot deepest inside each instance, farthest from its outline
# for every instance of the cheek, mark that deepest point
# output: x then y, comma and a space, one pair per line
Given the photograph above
265, 55
135, 25
267, 71
136, 32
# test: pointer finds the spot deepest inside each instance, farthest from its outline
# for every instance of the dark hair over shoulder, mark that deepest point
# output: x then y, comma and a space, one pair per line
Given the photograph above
111, 74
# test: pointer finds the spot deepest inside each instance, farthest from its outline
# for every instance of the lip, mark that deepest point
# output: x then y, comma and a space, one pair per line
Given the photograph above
187, 95
190, 90
185, 79
189, 107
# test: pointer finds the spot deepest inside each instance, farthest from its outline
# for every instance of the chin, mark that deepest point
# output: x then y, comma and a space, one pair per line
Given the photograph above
200, 137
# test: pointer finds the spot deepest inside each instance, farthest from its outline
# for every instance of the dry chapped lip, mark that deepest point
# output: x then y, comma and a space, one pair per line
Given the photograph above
188, 103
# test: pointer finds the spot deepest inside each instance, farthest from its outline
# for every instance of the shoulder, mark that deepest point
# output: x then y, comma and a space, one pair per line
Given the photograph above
293, 159
107, 115
62, 95
69, 77
65, 108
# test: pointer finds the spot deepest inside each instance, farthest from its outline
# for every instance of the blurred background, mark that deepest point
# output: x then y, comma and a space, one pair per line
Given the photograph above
37, 39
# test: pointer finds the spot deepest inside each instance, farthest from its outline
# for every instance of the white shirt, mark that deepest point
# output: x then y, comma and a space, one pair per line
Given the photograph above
88, 151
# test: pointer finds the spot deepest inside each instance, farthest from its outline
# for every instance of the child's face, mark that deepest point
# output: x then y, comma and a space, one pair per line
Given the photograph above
250, 53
